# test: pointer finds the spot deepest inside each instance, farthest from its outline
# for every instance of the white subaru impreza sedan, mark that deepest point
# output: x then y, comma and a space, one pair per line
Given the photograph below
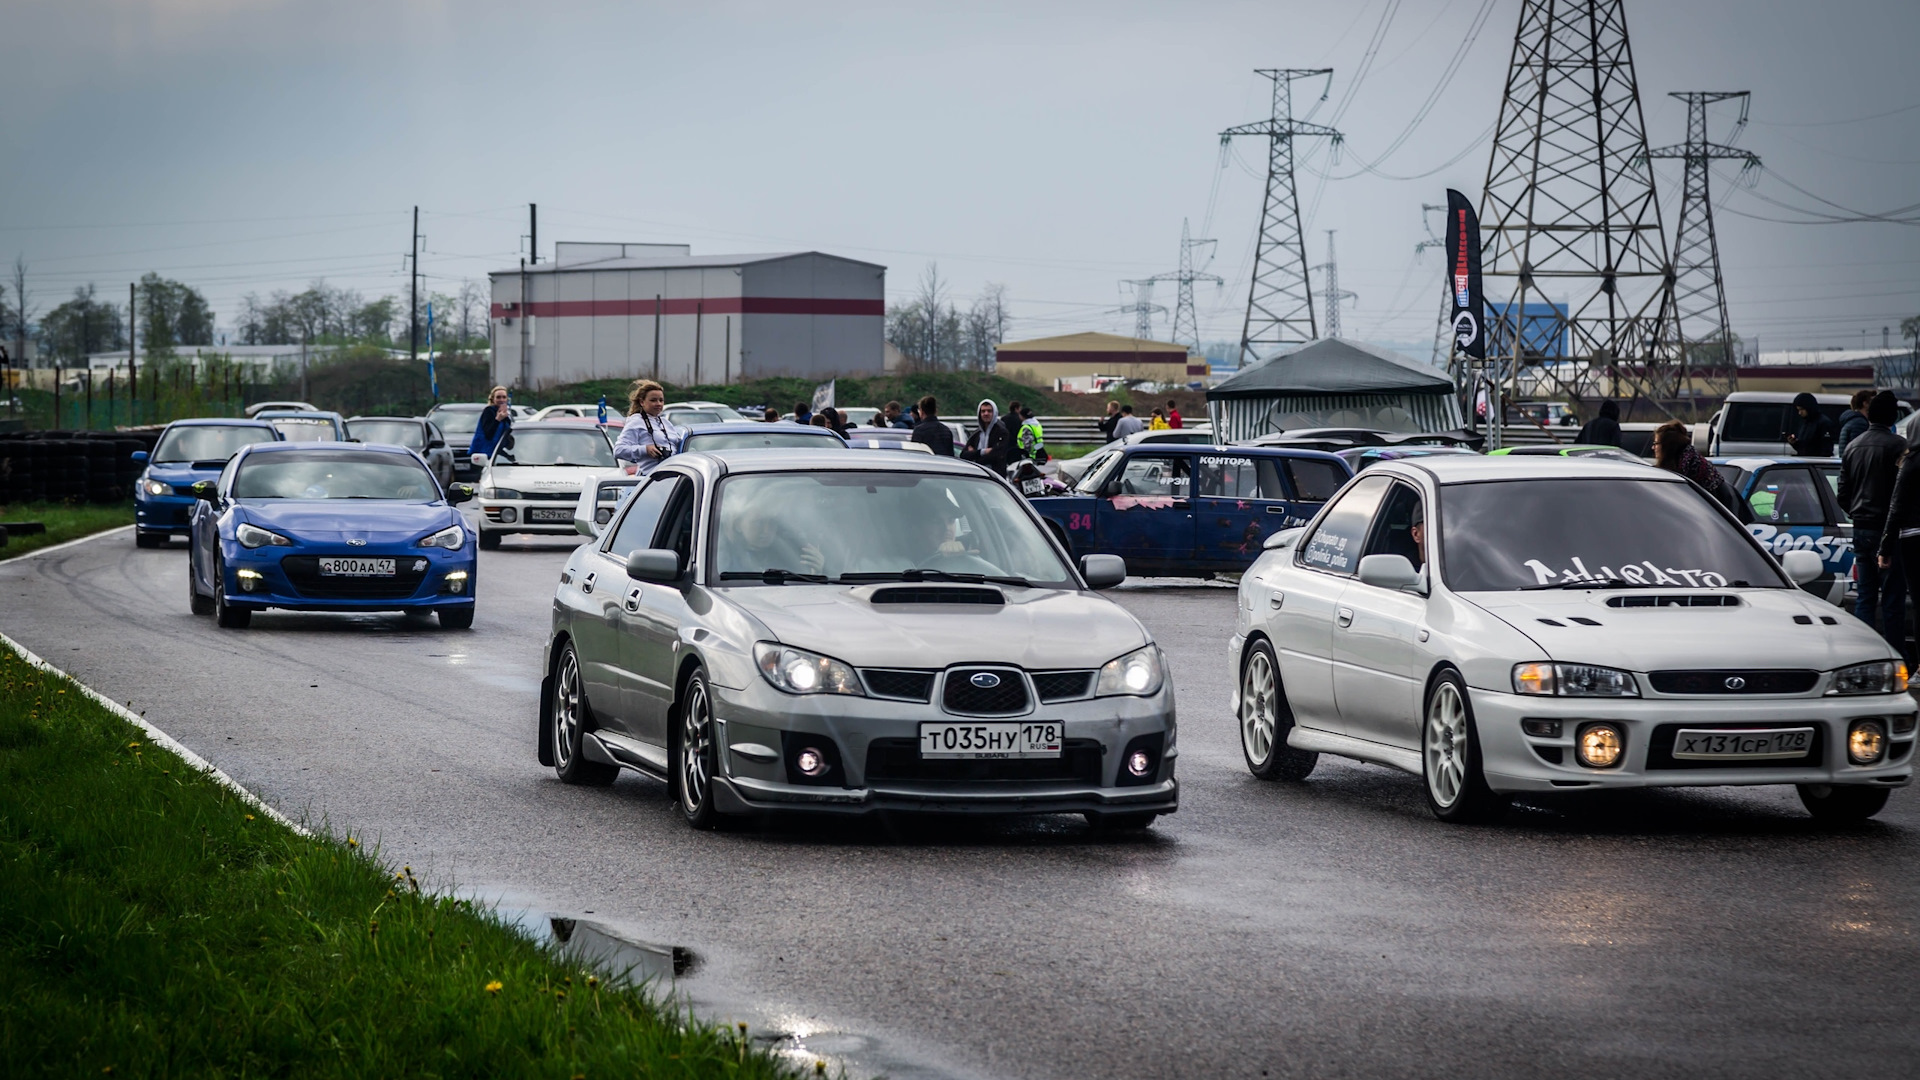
1498, 626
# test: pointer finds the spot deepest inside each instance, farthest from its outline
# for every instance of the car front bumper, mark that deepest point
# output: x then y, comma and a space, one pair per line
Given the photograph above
274, 584
169, 514
510, 515
1099, 733
1514, 761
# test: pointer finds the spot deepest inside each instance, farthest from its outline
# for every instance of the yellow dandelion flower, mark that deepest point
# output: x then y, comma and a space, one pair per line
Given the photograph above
493, 987
249, 817
352, 843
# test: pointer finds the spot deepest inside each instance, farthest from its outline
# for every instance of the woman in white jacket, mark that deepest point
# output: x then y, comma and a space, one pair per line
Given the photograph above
648, 437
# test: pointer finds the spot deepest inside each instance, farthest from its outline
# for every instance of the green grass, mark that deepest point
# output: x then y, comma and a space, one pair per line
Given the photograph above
154, 924
63, 523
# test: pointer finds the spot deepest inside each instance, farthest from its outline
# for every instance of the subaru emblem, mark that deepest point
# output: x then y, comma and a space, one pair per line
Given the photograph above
1735, 682
985, 680
358, 543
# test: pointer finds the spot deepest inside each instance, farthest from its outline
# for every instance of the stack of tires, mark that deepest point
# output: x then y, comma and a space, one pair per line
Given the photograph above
22, 470
70, 466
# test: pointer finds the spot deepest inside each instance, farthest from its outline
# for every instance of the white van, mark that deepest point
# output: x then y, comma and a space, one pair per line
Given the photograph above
1755, 422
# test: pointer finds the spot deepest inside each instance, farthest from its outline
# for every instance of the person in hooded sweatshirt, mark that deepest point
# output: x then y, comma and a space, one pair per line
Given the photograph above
1602, 430
992, 445
1814, 436
1869, 468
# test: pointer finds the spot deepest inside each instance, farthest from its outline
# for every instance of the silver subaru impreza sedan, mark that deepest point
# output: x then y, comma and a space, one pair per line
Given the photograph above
805, 630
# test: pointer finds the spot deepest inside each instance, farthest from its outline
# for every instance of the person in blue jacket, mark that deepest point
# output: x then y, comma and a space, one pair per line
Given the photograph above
496, 420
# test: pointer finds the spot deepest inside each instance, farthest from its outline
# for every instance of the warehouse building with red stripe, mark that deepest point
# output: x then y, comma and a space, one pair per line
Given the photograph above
601, 311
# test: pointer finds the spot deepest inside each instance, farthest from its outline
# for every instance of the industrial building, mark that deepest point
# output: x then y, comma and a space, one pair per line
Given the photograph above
1041, 361
601, 311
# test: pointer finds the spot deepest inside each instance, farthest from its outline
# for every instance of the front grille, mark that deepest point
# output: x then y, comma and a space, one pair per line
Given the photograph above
1062, 685
1660, 748
902, 685
900, 760
550, 496
304, 572
1007, 695
1749, 682
938, 595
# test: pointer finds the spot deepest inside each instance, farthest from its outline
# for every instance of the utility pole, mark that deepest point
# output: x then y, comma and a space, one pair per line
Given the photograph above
133, 372
1333, 294
533, 233
413, 295
1280, 299
1699, 291
526, 327
1143, 308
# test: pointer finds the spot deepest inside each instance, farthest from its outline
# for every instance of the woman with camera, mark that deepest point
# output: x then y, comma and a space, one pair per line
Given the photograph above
648, 437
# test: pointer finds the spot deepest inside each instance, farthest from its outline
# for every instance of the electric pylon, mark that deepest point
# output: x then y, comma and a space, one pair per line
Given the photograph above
1699, 292
1568, 216
1280, 299
1143, 307
1185, 322
1333, 294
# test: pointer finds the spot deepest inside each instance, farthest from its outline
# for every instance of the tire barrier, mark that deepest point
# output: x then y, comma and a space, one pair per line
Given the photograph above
71, 466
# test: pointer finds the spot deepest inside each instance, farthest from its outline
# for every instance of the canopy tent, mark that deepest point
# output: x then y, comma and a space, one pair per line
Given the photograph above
1333, 383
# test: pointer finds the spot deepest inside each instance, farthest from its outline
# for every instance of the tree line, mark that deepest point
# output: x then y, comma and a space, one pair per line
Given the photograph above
935, 335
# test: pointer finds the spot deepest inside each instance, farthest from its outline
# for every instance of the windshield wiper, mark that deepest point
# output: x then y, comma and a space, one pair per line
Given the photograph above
1590, 583
772, 576
928, 574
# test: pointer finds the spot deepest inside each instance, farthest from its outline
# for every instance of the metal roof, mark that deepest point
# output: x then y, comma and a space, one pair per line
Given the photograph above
1333, 366
677, 262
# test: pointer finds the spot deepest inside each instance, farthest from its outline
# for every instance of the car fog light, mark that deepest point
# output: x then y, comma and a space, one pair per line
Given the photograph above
1903, 725
810, 762
456, 581
1541, 729
509, 514
1866, 742
249, 579
1600, 746
602, 516
1139, 762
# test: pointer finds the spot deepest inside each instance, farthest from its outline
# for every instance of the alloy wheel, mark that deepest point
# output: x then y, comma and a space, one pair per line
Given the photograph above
566, 711
696, 748
1257, 713
1446, 744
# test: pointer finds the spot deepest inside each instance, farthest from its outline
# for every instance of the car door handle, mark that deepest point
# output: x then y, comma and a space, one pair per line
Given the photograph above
1343, 616
1276, 509
586, 583
633, 598
1182, 504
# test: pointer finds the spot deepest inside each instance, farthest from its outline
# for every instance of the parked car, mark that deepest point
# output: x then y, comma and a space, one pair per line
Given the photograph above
1070, 470
1793, 504
415, 433
1498, 627
187, 452
684, 413
456, 421
310, 425
1185, 511
589, 411
1571, 450
710, 437
533, 479
1755, 423
781, 631
1332, 439
326, 527
282, 406
879, 438
1359, 458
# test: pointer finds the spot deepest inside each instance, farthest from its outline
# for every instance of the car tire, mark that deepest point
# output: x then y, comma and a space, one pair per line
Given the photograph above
1266, 719
199, 605
489, 540
1450, 767
225, 614
1842, 804
571, 714
456, 618
692, 754
144, 539
1121, 823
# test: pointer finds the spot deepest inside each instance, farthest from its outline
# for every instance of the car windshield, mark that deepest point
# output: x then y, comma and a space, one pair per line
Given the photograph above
751, 439
553, 446
458, 424
304, 429
697, 416
207, 442
853, 527
1095, 475
1541, 533
333, 474
392, 432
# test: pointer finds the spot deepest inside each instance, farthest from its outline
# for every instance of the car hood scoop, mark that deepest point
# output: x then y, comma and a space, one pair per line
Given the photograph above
938, 594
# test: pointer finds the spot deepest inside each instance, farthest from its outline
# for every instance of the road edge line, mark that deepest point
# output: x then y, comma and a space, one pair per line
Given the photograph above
63, 545
157, 736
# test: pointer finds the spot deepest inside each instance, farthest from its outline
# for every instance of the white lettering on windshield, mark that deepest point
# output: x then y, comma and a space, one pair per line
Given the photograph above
1629, 572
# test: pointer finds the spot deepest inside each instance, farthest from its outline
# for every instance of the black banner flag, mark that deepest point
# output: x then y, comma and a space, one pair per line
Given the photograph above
1463, 265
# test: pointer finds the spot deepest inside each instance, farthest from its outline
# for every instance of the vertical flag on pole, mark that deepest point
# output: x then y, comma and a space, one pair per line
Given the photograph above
433, 379
1463, 267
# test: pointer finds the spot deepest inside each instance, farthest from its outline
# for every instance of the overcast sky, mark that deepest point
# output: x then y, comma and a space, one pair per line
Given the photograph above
253, 145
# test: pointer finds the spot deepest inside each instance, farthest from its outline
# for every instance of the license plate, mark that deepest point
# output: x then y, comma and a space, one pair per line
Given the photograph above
1033, 487
356, 567
1004, 739
1742, 744
544, 513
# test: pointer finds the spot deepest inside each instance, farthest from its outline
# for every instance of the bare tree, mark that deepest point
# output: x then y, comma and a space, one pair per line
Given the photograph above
22, 310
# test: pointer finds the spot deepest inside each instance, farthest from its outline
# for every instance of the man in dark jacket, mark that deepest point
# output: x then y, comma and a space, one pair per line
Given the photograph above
930, 431
1853, 422
1814, 438
1602, 430
992, 444
1868, 470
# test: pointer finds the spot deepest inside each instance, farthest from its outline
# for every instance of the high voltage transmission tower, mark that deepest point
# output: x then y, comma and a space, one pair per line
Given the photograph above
1568, 217
1699, 293
1143, 307
1333, 294
1186, 325
1442, 331
1280, 300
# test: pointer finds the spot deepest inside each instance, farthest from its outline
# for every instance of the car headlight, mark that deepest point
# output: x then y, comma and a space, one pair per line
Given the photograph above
499, 493
155, 487
797, 671
1138, 673
252, 536
1573, 680
451, 538
1879, 677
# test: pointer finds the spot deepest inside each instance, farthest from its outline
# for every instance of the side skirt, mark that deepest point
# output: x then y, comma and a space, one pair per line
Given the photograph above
1326, 742
611, 749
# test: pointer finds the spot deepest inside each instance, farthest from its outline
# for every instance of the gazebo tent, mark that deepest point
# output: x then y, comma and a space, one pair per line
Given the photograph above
1333, 383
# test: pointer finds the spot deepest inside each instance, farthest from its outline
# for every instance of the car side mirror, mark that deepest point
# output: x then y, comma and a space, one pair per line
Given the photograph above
436, 444
140, 456
658, 565
1103, 571
1283, 539
459, 493
208, 490
1802, 566
1388, 572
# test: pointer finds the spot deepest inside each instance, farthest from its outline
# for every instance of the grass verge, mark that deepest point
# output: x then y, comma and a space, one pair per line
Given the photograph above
63, 523
154, 924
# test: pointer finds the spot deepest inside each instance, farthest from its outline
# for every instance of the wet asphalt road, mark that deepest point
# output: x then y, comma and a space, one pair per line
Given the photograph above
1325, 929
